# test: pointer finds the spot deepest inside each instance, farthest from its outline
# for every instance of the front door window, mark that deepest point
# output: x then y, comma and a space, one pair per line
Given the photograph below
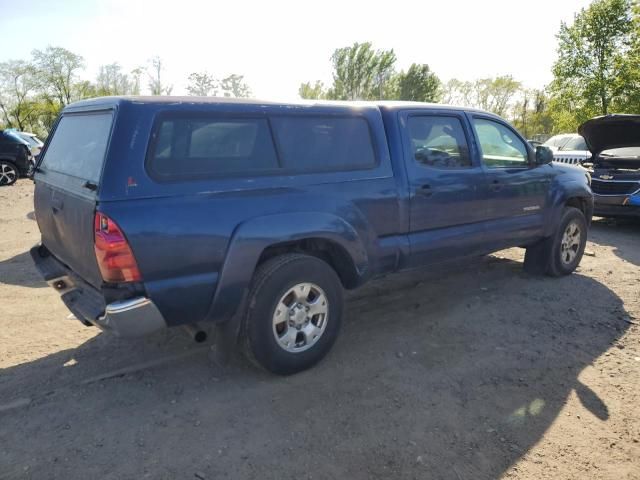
500, 146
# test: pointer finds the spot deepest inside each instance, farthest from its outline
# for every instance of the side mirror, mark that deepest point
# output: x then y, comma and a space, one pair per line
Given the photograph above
544, 155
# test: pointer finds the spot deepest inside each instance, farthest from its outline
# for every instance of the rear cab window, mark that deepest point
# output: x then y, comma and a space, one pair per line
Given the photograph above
196, 146
79, 145
314, 144
438, 141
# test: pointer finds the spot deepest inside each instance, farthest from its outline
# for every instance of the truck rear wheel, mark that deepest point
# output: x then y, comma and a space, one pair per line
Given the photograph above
294, 313
561, 253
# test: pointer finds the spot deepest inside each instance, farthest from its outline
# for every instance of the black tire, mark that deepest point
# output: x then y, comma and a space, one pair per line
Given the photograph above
9, 173
272, 280
548, 257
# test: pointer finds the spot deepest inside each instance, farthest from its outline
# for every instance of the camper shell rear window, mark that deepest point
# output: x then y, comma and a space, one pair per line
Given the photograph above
79, 145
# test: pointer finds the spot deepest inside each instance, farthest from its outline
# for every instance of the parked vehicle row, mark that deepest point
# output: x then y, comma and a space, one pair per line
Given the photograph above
569, 148
254, 216
16, 159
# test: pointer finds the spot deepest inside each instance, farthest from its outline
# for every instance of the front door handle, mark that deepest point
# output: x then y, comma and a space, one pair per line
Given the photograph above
424, 190
496, 186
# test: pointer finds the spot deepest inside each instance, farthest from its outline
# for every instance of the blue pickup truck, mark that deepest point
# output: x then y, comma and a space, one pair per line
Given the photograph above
253, 217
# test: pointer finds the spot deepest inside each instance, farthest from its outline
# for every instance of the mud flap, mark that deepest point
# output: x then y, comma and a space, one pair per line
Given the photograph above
538, 256
227, 336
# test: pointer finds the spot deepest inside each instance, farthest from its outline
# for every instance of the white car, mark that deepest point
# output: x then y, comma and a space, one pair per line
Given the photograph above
555, 142
569, 148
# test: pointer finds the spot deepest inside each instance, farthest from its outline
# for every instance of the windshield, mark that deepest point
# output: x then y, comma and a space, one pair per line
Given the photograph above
575, 143
557, 141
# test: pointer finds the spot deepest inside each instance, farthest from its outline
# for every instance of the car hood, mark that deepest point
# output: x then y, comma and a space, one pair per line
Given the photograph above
611, 131
617, 162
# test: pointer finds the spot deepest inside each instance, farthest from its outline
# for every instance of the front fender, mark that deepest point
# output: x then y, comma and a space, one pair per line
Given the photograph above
252, 237
563, 191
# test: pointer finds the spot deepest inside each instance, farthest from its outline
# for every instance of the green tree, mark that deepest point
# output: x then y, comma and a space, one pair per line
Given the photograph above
360, 72
57, 70
531, 113
234, 86
457, 92
111, 80
312, 92
155, 72
628, 82
17, 85
496, 94
418, 84
202, 84
492, 94
589, 71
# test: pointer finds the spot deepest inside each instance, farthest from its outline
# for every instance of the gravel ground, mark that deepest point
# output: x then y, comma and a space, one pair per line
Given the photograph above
474, 371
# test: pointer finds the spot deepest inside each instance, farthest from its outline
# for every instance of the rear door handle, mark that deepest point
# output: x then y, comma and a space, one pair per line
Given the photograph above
496, 186
424, 190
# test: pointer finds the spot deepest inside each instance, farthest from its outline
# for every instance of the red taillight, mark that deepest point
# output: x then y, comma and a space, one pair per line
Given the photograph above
115, 258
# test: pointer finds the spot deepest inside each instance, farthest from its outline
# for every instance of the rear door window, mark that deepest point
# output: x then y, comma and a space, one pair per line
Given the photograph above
439, 141
315, 143
79, 145
197, 146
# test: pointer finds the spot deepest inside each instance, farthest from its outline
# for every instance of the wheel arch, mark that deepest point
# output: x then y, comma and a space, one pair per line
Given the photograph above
581, 203
328, 250
323, 235
571, 193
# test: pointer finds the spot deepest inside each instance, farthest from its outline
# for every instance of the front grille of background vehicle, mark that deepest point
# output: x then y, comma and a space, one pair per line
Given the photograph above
569, 160
605, 187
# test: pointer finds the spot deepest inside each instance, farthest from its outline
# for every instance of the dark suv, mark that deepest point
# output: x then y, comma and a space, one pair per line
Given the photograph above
254, 216
15, 157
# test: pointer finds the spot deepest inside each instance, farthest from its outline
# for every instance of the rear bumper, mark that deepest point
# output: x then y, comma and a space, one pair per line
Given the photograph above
134, 317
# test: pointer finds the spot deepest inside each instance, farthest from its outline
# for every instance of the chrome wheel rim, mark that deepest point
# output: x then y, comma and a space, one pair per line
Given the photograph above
7, 174
300, 317
570, 243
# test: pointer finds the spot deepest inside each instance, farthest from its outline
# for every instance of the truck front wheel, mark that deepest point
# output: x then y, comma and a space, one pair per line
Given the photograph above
561, 253
294, 313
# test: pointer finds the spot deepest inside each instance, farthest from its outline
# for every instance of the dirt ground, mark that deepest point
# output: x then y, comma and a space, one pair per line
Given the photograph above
477, 371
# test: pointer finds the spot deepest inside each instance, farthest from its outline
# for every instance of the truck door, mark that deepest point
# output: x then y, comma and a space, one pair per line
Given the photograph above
517, 189
447, 187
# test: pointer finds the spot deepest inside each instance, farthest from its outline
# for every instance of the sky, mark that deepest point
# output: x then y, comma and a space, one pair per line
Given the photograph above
277, 45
